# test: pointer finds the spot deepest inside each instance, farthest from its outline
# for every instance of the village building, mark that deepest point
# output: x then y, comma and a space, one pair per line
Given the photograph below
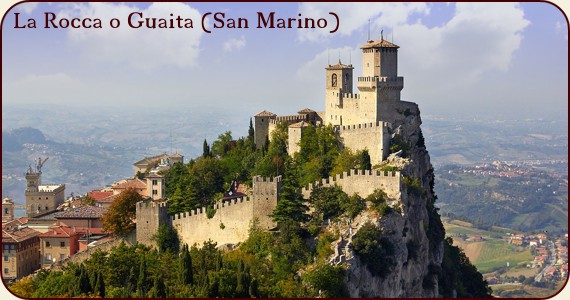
57, 244
20, 251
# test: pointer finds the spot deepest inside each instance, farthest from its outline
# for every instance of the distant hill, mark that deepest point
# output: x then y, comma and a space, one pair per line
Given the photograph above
80, 167
524, 198
14, 140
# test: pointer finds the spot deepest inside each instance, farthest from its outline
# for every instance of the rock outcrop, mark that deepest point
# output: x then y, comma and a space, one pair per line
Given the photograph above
413, 228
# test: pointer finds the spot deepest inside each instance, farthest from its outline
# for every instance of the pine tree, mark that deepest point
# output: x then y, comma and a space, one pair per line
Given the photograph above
100, 285
206, 149
142, 281
158, 289
290, 205
364, 160
84, 284
250, 131
185, 275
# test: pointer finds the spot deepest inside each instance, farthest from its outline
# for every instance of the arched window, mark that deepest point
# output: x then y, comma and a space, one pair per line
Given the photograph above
333, 80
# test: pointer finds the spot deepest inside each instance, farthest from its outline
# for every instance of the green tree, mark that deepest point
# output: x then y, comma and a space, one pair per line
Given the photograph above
167, 239
120, 215
84, 286
374, 250
206, 149
291, 203
222, 145
88, 200
250, 131
142, 282
364, 160
99, 287
185, 275
328, 280
158, 289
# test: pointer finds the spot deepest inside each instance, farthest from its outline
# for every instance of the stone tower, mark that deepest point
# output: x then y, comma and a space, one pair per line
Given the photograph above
7, 210
266, 192
150, 215
339, 77
262, 123
380, 80
41, 198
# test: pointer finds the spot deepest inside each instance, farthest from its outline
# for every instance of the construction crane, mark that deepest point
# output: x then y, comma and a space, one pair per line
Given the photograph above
40, 164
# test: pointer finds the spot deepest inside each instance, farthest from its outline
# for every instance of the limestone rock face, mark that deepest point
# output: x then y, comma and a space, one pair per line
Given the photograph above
406, 228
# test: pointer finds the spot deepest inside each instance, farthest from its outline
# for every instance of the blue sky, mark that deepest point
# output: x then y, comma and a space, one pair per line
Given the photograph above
504, 60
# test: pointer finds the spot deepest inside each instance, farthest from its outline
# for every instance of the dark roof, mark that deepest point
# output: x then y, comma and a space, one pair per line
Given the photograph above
83, 212
301, 124
305, 111
379, 44
339, 66
15, 235
265, 114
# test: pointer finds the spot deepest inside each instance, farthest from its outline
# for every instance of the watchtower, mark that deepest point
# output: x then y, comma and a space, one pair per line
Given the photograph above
150, 215
262, 123
7, 210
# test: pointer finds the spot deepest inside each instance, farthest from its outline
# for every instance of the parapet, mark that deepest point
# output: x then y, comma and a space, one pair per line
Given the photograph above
352, 176
365, 125
152, 204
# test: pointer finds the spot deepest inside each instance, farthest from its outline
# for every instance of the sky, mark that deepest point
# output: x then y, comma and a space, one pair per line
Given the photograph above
490, 60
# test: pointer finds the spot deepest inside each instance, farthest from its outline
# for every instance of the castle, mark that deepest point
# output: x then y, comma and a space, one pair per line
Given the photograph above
362, 121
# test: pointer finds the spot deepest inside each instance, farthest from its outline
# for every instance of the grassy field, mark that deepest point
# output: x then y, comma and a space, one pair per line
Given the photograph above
491, 253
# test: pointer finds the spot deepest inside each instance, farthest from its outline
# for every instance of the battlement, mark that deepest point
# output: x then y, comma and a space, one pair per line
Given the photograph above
362, 182
349, 96
267, 179
365, 125
289, 118
368, 83
152, 204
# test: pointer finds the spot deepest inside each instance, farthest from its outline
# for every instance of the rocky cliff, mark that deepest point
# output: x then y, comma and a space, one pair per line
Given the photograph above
413, 227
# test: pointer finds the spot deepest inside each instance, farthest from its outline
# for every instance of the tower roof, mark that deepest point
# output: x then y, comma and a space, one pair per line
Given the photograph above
339, 66
301, 124
306, 111
379, 44
265, 114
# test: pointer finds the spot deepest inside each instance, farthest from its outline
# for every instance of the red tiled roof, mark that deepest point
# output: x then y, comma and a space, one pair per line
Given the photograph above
98, 195
109, 199
58, 231
305, 111
379, 44
15, 223
131, 183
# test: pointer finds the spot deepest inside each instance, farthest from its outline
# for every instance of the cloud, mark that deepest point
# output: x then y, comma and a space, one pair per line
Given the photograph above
142, 48
480, 37
355, 16
234, 44
49, 88
561, 29
27, 7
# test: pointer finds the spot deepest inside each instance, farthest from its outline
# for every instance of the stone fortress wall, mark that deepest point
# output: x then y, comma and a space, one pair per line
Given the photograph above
229, 225
374, 137
362, 182
232, 220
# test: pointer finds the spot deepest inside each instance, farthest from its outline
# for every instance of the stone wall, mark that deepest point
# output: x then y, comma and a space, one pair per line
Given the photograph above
362, 182
149, 217
232, 220
374, 137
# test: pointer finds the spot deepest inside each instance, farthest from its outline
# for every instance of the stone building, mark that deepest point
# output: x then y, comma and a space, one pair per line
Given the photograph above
20, 252
363, 121
41, 198
57, 244
162, 161
7, 210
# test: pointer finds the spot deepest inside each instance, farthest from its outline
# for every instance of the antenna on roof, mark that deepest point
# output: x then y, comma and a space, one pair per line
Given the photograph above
339, 57
368, 29
382, 34
350, 57
392, 36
